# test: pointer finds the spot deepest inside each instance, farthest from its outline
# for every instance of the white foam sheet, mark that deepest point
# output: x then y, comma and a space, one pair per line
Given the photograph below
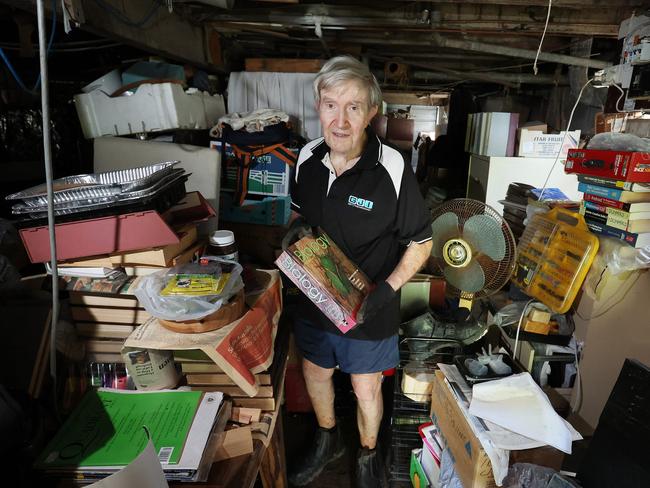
518, 404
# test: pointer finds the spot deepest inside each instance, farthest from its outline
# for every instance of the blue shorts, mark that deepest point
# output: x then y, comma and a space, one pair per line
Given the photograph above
354, 356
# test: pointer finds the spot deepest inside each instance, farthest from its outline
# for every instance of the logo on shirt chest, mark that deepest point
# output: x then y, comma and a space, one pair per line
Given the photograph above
361, 203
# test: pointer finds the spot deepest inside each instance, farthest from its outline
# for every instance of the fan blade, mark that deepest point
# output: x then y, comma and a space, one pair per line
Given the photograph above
485, 235
470, 278
442, 227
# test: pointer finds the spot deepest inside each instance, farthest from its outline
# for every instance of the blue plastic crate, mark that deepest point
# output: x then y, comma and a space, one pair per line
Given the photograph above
269, 211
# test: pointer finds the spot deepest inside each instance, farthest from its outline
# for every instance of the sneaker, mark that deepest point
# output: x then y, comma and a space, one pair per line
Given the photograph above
326, 447
370, 469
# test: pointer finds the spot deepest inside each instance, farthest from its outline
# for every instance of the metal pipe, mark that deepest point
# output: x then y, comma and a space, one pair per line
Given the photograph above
47, 154
518, 53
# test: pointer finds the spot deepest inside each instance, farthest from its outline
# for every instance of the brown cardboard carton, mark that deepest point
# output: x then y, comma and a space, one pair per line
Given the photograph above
470, 460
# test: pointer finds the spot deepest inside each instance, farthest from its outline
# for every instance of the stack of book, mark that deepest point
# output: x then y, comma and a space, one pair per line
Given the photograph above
514, 206
202, 374
104, 314
103, 308
616, 187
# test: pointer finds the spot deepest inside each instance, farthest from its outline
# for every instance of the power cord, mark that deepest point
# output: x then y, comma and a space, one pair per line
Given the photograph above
619, 98
541, 41
566, 133
119, 15
10, 67
521, 318
610, 307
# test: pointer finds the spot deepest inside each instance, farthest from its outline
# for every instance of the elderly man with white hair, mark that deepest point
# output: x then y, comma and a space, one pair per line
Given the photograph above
365, 197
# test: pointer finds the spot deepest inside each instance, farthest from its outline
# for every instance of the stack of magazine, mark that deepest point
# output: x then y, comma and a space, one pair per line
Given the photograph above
105, 433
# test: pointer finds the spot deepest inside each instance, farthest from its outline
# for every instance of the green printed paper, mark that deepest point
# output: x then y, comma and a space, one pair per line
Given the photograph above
106, 428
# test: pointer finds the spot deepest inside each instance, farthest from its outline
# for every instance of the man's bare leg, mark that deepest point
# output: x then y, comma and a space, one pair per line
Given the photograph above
370, 406
321, 392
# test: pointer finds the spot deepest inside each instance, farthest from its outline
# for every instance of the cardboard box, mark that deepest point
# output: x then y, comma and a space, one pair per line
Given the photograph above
536, 144
470, 460
269, 175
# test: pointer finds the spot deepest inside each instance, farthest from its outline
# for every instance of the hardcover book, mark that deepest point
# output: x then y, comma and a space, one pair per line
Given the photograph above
607, 202
624, 196
329, 279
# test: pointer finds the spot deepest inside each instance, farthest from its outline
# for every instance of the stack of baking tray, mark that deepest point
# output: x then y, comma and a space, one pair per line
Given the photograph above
155, 186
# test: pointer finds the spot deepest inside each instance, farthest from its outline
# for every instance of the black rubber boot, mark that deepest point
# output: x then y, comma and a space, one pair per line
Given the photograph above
325, 448
370, 469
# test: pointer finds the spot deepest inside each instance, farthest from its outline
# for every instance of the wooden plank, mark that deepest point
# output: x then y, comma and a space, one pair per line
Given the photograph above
222, 379
133, 316
284, 65
405, 98
236, 442
273, 471
107, 331
263, 392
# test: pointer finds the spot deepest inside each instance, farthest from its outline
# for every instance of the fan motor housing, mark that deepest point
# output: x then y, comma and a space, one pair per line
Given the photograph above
457, 253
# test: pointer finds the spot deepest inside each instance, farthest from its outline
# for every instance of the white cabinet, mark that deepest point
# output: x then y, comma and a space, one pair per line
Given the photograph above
489, 177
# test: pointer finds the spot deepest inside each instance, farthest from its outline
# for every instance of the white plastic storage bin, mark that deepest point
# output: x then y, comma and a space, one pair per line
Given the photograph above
152, 108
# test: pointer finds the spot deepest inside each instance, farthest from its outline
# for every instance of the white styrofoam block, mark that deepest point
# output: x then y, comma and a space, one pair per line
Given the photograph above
152, 108
111, 153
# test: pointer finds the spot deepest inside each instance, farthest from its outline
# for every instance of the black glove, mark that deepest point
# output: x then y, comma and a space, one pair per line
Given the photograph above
377, 299
298, 229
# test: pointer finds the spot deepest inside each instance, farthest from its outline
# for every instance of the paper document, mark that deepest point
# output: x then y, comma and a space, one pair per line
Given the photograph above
143, 472
517, 404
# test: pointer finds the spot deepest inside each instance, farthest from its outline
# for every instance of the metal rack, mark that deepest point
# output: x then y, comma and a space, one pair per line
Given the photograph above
407, 414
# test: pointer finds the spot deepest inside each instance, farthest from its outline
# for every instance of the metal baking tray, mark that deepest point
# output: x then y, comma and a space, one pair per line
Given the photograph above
106, 202
95, 185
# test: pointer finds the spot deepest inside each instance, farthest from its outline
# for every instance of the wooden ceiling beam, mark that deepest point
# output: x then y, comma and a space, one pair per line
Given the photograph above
574, 4
166, 34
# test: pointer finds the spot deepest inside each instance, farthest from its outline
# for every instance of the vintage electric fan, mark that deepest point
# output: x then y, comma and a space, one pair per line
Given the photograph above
473, 248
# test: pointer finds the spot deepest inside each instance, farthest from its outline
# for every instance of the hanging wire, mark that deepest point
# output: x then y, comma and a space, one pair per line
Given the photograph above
13, 71
121, 17
541, 41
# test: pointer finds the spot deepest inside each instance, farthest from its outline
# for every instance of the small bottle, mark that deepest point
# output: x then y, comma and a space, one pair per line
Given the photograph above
222, 245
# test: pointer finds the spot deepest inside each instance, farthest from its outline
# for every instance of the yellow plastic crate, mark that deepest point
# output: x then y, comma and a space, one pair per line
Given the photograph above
555, 253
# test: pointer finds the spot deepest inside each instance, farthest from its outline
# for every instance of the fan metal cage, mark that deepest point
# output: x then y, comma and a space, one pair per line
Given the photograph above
473, 248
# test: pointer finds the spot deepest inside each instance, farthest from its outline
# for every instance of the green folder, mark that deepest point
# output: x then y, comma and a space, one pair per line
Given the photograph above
106, 428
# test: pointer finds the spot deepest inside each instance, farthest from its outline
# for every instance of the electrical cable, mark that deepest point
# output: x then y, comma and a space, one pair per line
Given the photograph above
578, 402
619, 98
521, 318
610, 307
12, 70
566, 133
121, 17
541, 41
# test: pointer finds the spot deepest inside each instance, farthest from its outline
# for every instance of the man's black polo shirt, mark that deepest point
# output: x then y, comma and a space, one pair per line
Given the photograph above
372, 211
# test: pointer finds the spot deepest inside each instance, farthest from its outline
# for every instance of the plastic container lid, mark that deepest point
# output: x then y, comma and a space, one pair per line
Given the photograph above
222, 238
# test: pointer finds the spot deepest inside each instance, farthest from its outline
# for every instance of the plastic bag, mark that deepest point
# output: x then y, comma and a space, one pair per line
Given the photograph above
618, 141
525, 475
179, 307
448, 476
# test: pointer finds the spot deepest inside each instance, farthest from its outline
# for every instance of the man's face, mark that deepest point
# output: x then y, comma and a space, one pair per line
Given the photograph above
344, 114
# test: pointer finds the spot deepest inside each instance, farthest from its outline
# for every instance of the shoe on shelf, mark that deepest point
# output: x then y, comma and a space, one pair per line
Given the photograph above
326, 447
371, 472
